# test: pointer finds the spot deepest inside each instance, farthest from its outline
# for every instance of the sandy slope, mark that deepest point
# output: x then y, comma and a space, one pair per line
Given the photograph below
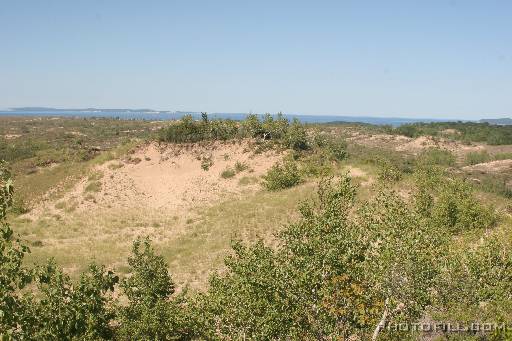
166, 177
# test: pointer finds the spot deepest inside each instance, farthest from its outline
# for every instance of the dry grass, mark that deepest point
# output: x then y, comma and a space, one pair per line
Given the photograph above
194, 243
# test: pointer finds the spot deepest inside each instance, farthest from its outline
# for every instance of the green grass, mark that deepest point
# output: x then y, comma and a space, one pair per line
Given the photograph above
194, 254
474, 158
241, 166
228, 173
194, 243
248, 180
503, 156
94, 186
51, 154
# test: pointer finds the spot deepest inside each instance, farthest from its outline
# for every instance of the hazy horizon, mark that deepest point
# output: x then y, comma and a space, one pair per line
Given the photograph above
439, 59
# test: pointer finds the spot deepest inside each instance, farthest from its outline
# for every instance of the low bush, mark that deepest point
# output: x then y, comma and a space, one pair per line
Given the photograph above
93, 186
228, 173
296, 137
276, 129
451, 204
206, 162
474, 158
388, 172
466, 132
282, 176
496, 184
241, 166
503, 156
436, 156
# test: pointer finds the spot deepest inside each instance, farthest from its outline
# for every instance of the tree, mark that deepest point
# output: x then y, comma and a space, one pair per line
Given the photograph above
150, 313
65, 310
13, 275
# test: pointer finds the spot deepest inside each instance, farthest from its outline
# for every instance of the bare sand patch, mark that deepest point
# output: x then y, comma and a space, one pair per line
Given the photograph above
500, 166
415, 146
166, 177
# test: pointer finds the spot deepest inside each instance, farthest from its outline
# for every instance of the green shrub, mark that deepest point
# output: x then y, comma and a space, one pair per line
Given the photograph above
282, 176
336, 263
206, 162
247, 180
251, 126
436, 156
274, 128
456, 208
503, 156
66, 310
474, 158
184, 130
93, 186
296, 137
151, 313
241, 166
227, 173
467, 132
317, 164
496, 184
388, 172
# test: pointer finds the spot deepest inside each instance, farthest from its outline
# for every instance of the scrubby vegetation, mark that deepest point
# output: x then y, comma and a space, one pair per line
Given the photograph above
282, 176
474, 158
344, 270
277, 129
461, 131
422, 239
69, 146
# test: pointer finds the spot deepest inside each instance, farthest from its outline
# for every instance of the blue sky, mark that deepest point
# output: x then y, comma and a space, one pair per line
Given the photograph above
447, 59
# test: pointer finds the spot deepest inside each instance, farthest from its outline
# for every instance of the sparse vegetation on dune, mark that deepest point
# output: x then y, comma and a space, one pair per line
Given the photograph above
416, 234
461, 131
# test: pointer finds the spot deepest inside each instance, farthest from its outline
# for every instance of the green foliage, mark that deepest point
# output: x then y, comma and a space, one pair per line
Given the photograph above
462, 131
63, 310
282, 176
503, 156
93, 186
388, 172
228, 173
450, 204
436, 156
474, 158
6, 190
187, 130
496, 184
476, 283
276, 129
13, 275
335, 148
184, 130
324, 153
241, 166
377, 156
337, 273
296, 137
333, 274
252, 127
206, 162
150, 313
